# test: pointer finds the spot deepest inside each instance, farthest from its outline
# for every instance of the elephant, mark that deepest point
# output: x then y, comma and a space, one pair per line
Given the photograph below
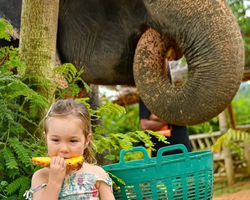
126, 42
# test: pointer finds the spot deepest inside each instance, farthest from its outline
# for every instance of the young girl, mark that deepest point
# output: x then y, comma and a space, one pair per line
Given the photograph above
68, 134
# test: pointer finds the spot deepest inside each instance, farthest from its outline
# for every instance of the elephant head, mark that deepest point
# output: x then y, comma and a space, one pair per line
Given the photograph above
207, 33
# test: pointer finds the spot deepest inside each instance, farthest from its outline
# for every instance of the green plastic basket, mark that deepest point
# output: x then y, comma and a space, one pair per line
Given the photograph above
184, 176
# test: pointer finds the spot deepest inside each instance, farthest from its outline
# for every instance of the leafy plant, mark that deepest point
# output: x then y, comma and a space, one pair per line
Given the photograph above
17, 145
16, 168
239, 8
122, 123
67, 80
242, 100
232, 139
6, 29
206, 127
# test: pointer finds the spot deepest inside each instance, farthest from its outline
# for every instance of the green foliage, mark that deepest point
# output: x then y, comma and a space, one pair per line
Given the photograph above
239, 9
6, 29
206, 127
124, 122
242, 100
15, 166
232, 139
9, 60
119, 130
13, 92
107, 109
68, 76
17, 145
242, 116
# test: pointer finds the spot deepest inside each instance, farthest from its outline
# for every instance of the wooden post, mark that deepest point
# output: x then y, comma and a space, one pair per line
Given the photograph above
226, 151
229, 166
246, 146
247, 155
223, 122
231, 116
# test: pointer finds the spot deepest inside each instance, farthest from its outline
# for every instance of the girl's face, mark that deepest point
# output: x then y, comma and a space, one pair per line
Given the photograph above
65, 137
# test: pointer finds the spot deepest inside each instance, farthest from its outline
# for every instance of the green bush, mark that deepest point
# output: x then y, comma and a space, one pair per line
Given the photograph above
241, 104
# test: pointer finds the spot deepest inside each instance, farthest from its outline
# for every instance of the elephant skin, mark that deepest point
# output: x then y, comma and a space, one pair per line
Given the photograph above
107, 38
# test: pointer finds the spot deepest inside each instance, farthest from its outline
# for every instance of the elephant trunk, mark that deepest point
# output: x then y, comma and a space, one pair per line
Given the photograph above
209, 37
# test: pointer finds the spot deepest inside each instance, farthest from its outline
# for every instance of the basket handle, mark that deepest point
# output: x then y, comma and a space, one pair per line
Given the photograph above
143, 150
173, 147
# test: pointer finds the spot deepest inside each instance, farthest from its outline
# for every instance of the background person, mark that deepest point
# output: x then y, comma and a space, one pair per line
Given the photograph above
178, 135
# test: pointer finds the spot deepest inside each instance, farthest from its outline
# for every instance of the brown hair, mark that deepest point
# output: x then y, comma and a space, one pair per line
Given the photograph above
65, 107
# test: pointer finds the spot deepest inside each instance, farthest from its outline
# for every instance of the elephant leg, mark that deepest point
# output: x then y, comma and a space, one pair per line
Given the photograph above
208, 35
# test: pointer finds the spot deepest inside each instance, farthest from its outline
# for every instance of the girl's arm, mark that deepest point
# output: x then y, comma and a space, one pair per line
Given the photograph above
105, 192
105, 185
54, 180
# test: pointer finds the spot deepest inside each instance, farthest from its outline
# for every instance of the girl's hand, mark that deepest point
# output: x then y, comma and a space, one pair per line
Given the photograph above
57, 169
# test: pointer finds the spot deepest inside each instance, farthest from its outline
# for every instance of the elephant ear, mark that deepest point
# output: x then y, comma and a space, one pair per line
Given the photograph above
207, 33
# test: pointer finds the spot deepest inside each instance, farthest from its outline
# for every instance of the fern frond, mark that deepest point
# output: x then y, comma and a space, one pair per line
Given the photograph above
8, 77
25, 116
71, 76
7, 116
16, 129
15, 63
72, 89
37, 103
24, 186
67, 70
99, 129
36, 147
132, 136
6, 29
108, 107
142, 135
86, 86
84, 101
114, 144
17, 184
22, 153
123, 140
9, 158
102, 143
12, 174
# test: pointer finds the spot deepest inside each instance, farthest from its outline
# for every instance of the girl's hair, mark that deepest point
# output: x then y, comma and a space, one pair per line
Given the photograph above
65, 107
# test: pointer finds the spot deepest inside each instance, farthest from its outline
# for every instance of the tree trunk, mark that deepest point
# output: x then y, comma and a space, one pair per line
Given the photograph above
38, 42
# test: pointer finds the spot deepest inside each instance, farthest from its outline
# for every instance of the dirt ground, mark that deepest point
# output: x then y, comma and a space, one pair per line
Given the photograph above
238, 191
240, 195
